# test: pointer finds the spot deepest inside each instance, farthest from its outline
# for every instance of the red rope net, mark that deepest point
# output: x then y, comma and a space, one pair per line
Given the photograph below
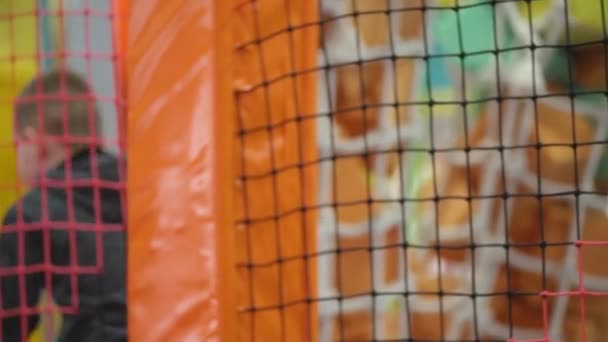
62, 244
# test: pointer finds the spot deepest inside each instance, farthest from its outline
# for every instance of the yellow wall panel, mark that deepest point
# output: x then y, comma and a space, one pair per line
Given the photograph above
17, 66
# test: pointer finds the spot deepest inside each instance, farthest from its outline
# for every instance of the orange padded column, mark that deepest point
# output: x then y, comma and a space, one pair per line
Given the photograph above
180, 136
120, 11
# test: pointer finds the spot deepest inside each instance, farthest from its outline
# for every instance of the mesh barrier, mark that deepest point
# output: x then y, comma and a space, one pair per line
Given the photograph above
461, 172
55, 241
430, 171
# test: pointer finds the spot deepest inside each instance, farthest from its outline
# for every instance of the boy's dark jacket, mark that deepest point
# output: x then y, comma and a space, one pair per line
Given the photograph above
95, 302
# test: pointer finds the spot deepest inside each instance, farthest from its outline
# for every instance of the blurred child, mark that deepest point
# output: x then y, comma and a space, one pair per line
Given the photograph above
66, 235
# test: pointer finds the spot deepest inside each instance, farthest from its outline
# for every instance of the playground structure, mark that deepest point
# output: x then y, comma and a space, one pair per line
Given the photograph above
352, 170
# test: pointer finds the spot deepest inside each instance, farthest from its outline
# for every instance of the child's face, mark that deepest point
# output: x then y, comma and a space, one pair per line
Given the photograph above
36, 155
28, 157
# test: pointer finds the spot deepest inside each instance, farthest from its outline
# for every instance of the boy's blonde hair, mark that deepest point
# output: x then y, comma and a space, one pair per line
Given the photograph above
60, 96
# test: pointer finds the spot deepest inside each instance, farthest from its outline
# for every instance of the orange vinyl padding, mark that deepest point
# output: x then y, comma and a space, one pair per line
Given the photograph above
180, 138
120, 31
281, 271
184, 161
